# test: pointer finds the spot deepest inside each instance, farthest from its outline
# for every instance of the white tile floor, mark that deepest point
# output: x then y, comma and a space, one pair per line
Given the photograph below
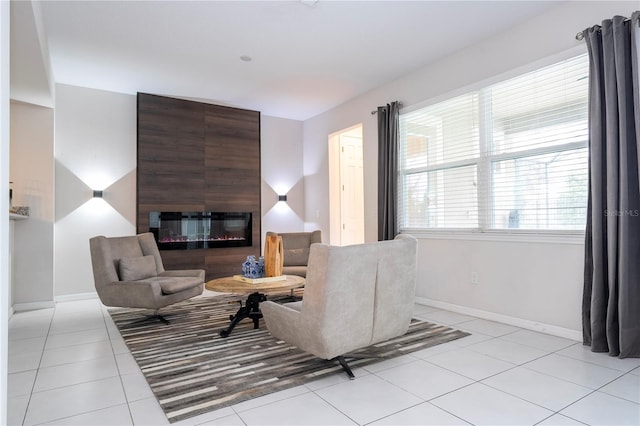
69, 366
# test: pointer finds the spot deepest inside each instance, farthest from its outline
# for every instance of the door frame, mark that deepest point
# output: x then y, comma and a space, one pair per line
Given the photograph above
335, 182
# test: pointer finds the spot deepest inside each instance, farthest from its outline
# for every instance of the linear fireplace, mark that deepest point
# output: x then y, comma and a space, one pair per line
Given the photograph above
195, 230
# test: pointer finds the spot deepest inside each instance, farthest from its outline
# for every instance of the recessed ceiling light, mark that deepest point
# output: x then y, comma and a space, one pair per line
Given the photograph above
246, 58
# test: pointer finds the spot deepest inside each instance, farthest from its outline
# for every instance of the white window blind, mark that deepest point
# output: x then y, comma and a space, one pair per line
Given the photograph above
509, 155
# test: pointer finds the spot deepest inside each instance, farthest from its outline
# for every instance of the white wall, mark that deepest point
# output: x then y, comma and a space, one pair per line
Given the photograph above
4, 204
95, 148
33, 186
542, 281
281, 172
534, 281
316, 163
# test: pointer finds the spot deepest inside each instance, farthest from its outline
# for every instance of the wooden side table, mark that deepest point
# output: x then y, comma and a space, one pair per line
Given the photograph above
257, 293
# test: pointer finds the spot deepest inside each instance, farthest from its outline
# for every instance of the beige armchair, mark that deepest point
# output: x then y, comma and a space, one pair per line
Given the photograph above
354, 296
296, 250
128, 272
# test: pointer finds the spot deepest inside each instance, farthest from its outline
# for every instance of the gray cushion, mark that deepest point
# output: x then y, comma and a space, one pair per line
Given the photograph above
296, 246
296, 256
137, 268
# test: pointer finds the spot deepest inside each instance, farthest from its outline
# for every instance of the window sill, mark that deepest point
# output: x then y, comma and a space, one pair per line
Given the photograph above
518, 236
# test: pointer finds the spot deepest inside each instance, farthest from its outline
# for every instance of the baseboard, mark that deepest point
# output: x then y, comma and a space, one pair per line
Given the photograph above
32, 306
553, 330
77, 296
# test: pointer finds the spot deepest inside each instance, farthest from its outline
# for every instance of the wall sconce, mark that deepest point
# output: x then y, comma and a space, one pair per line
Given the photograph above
97, 194
282, 198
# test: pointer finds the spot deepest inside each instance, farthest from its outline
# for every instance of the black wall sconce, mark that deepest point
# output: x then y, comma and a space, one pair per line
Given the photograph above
282, 198
97, 194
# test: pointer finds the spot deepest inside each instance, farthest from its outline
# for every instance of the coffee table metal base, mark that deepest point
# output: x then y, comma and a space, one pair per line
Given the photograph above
251, 309
257, 294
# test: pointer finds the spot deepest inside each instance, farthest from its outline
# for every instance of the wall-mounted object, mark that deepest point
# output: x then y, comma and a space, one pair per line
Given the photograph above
282, 198
212, 166
20, 210
97, 194
197, 230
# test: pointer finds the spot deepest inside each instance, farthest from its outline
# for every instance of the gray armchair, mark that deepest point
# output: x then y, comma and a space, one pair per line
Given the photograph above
296, 250
354, 296
128, 272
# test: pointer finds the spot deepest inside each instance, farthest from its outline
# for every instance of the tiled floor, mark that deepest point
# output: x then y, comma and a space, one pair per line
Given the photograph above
70, 366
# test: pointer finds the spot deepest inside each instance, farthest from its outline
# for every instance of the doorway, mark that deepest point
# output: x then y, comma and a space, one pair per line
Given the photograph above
346, 187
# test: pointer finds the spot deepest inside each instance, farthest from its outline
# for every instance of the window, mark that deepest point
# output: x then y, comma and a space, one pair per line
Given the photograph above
512, 155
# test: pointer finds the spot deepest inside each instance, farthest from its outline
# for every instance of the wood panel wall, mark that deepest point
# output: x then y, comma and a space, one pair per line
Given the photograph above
194, 156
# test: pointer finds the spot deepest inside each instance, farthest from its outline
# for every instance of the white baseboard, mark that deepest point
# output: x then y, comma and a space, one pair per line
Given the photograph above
32, 306
553, 330
77, 296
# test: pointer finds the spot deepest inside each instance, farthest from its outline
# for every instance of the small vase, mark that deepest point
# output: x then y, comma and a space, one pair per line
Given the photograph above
251, 268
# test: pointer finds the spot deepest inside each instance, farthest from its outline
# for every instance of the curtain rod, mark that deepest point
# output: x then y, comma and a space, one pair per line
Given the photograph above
580, 35
374, 112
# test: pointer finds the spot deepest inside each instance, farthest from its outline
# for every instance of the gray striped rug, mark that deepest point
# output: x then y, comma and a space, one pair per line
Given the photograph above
192, 370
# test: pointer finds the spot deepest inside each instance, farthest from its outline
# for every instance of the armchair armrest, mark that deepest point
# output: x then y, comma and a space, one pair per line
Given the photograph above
197, 273
287, 323
281, 320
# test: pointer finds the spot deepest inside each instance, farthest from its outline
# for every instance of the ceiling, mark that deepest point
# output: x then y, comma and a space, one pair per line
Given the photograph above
306, 56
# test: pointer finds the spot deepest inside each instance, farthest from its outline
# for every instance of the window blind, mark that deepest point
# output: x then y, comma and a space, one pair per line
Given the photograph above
512, 155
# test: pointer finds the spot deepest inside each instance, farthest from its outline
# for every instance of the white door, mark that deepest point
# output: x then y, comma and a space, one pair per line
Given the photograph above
351, 189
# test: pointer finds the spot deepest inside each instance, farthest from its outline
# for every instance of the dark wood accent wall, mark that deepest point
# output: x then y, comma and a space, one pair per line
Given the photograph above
194, 156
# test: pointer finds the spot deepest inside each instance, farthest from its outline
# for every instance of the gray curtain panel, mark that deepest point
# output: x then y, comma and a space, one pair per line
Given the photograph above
388, 121
611, 298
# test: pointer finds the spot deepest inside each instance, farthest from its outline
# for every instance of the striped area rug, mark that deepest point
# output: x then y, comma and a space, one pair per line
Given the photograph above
192, 370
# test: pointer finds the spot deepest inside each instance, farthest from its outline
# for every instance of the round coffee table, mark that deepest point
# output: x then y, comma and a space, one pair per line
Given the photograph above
256, 293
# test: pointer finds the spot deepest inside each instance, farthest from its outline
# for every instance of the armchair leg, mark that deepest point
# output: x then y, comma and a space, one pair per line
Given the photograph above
345, 367
156, 315
161, 318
